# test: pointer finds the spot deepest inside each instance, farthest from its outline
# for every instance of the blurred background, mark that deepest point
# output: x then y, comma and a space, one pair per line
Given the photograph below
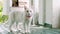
48, 11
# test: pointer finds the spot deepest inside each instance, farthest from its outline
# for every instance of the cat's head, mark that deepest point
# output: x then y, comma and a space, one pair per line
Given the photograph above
28, 12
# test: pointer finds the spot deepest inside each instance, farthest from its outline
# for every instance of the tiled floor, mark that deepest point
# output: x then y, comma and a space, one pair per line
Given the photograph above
37, 30
45, 31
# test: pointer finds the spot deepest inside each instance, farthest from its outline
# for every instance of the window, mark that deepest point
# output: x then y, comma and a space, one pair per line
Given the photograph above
14, 3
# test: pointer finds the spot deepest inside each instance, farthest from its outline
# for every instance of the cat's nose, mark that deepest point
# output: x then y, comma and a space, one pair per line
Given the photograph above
28, 13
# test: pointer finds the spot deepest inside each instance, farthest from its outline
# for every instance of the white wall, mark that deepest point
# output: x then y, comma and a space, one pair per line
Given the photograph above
44, 8
56, 15
6, 5
41, 11
48, 11
53, 13
45, 11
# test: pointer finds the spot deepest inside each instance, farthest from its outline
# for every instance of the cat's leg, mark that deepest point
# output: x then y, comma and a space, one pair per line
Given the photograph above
11, 20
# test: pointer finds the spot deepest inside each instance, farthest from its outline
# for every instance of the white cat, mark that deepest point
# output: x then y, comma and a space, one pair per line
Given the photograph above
28, 19
21, 17
16, 17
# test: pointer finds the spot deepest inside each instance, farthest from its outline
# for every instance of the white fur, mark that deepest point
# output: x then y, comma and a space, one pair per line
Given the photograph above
17, 17
27, 21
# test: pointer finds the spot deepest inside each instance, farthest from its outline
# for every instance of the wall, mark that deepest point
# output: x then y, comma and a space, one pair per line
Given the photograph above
6, 7
41, 11
56, 13
53, 12
49, 11
45, 11
44, 8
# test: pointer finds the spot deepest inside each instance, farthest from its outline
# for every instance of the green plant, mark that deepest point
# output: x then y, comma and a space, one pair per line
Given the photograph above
3, 18
1, 9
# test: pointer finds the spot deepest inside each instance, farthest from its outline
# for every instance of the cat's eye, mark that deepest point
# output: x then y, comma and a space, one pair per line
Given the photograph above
27, 11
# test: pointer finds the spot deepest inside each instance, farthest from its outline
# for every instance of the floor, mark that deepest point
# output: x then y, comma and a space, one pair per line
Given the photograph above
36, 30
